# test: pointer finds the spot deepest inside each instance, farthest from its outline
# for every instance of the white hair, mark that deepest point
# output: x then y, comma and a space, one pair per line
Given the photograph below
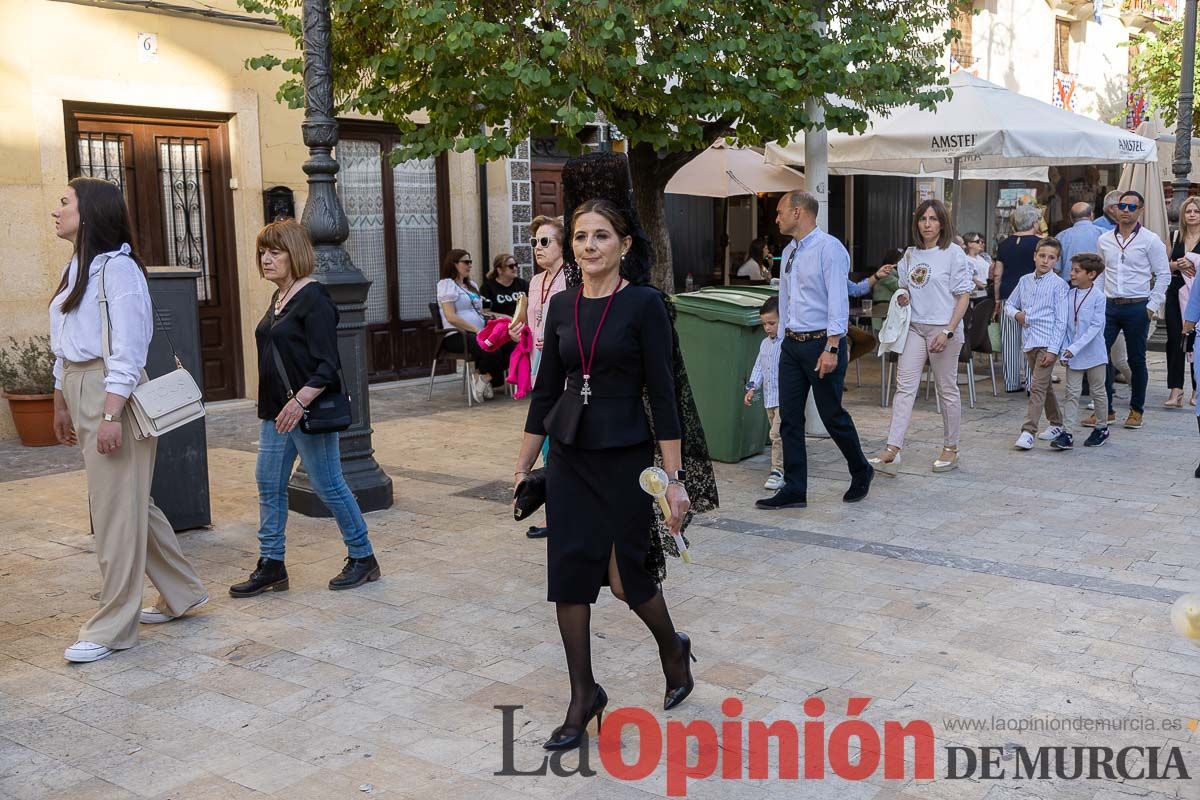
1025, 217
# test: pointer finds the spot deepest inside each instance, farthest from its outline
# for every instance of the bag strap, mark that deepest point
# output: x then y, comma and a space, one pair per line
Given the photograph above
106, 323
278, 359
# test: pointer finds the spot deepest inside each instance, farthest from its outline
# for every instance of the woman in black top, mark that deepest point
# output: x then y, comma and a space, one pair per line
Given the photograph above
1187, 240
502, 286
1014, 258
607, 343
301, 325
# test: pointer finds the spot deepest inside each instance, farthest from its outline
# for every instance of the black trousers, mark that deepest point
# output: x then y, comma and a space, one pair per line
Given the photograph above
1176, 354
493, 363
798, 377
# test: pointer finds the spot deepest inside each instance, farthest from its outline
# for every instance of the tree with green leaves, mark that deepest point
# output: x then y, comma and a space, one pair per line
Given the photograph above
1155, 67
672, 75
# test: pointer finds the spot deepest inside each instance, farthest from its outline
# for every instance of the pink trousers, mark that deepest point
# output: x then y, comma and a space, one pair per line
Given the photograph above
909, 368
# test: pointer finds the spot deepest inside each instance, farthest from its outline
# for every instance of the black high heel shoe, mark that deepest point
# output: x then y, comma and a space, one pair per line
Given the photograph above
561, 740
674, 697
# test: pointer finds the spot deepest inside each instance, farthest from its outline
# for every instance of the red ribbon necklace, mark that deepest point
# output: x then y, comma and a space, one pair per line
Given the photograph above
546, 287
589, 361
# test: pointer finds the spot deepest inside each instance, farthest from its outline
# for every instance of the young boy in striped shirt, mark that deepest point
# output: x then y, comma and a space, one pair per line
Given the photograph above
765, 376
1083, 351
1037, 306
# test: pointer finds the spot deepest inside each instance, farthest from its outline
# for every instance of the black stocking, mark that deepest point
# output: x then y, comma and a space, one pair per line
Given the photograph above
654, 613
574, 625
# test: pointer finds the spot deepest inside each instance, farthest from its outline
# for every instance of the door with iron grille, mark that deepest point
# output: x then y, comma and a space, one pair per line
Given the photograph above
398, 217
174, 174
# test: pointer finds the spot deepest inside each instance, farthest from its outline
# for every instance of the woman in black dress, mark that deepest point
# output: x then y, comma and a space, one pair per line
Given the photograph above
607, 342
1187, 240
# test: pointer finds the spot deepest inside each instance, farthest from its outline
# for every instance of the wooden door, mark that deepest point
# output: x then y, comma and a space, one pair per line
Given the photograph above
399, 221
174, 174
547, 189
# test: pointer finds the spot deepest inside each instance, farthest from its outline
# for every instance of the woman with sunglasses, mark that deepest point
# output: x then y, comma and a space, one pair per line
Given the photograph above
461, 306
547, 241
503, 287
981, 264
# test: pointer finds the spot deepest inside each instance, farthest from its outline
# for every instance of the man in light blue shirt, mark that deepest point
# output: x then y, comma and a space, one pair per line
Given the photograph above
1081, 237
814, 310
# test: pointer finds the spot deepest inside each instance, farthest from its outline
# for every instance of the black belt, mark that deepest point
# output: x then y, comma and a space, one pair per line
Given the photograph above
807, 336
1128, 301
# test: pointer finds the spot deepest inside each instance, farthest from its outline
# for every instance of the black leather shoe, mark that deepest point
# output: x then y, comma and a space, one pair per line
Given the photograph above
535, 532
859, 487
673, 697
784, 498
356, 572
269, 576
568, 737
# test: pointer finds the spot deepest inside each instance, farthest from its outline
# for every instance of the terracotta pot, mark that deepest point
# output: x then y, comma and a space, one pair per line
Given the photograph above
33, 414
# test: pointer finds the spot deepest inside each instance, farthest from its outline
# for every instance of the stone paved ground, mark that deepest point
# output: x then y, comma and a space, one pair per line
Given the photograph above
1025, 585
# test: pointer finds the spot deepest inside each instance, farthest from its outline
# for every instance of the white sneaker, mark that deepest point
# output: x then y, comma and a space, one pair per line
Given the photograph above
1050, 434
1091, 406
1024, 441
774, 481
477, 384
83, 652
152, 616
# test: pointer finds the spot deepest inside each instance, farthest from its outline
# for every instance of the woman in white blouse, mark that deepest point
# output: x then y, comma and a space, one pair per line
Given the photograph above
133, 538
461, 307
935, 281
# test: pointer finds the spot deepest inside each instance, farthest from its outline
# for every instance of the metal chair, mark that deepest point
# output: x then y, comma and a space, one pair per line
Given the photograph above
465, 356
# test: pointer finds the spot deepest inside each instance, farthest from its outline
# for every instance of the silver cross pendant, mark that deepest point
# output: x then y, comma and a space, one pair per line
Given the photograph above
586, 391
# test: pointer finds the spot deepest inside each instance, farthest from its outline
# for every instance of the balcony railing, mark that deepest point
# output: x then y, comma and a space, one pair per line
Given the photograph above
1144, 13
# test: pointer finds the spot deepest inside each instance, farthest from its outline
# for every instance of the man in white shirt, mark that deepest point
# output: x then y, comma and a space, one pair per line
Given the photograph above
1136, 275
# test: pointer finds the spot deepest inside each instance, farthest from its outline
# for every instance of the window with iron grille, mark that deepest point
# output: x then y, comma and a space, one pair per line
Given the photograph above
960, 50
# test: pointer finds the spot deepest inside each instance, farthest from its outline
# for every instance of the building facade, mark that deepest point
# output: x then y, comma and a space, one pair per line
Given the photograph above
157, 98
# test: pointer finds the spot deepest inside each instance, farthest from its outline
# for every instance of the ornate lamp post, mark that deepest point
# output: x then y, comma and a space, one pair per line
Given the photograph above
1182, 165
327, 224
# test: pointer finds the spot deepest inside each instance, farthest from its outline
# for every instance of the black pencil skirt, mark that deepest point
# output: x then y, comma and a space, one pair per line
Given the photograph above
593, 506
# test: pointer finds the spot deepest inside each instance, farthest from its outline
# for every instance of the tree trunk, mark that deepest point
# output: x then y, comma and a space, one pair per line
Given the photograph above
651, 174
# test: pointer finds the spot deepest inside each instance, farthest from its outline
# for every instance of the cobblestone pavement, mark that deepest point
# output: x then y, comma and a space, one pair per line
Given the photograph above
1024, 585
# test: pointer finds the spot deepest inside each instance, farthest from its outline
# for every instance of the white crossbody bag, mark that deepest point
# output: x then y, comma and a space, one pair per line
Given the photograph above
158, 405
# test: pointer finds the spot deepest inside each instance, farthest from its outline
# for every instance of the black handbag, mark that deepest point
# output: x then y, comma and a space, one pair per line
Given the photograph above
329, 413
530, 494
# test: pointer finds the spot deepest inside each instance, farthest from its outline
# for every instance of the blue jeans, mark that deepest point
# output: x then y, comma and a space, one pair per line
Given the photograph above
322, 460
1133, 320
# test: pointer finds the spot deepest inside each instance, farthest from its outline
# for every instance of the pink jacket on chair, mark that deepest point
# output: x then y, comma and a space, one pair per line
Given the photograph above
520, 365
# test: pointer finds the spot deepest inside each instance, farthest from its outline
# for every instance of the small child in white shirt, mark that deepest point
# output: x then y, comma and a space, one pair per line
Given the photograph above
765, 376
1083, 351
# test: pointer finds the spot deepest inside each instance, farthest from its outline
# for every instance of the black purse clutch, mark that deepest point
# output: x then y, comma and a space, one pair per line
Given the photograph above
329, 413
530, 494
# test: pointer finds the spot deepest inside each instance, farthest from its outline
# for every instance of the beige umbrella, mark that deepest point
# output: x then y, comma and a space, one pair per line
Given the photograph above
723, 172
1145, 179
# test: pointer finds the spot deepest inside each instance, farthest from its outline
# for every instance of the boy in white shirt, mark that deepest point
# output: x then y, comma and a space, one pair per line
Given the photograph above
1083, 351
765, 376
1037, 305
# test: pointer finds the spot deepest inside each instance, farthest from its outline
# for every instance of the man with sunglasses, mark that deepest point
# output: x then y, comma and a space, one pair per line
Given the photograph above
1136, 275
814, 311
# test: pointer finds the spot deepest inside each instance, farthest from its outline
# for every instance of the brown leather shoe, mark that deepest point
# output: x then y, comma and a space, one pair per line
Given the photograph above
1134, 420
1090, 422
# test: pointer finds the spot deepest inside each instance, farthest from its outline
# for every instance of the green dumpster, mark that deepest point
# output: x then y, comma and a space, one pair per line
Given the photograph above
719, 334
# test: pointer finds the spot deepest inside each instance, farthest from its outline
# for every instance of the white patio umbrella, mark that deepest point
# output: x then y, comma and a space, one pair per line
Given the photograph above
723, 171
1146, 179
983, 127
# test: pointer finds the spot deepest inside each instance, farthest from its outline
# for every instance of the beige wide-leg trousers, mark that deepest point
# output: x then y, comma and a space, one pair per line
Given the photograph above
133, 538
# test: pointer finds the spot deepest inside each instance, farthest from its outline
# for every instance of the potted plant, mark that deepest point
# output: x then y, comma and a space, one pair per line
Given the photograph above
27, 382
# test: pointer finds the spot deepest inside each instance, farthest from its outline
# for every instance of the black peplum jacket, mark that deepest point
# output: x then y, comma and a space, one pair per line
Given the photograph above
632, 354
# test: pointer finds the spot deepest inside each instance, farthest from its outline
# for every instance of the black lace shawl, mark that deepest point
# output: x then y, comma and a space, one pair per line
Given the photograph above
606, 175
